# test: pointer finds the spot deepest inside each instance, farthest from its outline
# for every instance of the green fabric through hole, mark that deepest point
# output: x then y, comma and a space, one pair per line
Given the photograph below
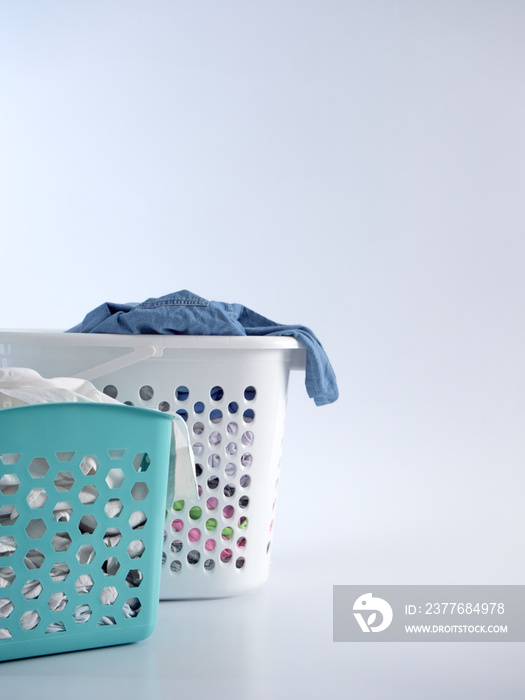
227, 533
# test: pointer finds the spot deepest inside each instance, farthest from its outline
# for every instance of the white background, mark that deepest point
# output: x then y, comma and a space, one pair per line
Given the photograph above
356, 167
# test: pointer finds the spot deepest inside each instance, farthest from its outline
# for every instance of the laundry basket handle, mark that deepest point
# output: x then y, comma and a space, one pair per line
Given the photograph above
130, 358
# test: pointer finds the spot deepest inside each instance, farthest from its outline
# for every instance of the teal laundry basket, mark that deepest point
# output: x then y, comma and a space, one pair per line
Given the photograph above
82, 506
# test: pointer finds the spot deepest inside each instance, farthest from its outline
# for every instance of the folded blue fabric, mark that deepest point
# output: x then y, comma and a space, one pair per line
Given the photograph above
186, 313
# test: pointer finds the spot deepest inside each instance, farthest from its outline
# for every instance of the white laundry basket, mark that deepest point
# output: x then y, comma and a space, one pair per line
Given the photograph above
232, 392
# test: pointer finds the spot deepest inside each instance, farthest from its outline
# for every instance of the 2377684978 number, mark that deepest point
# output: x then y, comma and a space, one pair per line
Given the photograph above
464, 608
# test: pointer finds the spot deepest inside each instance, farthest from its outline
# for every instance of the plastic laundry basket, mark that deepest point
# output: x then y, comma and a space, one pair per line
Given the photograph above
232, 392
82, 497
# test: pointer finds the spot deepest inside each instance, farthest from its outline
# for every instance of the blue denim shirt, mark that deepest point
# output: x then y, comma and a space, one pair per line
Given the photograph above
186, 313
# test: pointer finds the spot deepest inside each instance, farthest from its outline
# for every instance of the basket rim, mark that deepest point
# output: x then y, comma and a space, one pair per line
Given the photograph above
89, 406
194, 342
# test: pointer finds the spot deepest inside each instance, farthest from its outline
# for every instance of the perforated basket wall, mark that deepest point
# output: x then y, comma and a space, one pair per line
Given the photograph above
232, 393
82, 498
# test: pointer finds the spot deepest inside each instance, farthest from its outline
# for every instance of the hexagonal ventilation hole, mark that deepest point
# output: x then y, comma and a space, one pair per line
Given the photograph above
88, 495
112, 537
64, 456
86, 554
115, 478
8, 515
7, 576
84, 583
35, 528
64, 481
82, 613
110, 566
57, 601
5, 633
32, 589
137, 520
109, 595
141, 462
36, 498
89, 465
59, 571
131, 607
116, 454
9, 459
139, 491
8, 545
62, 512
136, 549
106, 620
38, 468
6, 608
57, 626
34, 559
9, 484
113, 507
61, 542
30, 620
87, 524
134, 578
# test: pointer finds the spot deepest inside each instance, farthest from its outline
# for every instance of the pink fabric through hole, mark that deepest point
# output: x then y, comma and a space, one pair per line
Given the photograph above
194, 534
177, 525
226, 555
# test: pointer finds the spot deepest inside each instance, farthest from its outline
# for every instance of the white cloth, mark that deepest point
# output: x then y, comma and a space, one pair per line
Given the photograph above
21, 386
